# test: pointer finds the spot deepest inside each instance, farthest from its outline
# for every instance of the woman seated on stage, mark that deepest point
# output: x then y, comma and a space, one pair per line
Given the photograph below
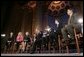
20, 42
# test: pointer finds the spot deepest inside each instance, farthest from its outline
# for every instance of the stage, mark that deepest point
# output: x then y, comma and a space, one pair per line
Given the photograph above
47, 54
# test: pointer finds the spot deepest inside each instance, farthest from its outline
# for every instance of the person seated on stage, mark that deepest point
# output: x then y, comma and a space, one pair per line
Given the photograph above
27, 40
10, 40
69, 28
44, 39
20, 42
52, 38
47, 40
3, 42
34, 37
37, 42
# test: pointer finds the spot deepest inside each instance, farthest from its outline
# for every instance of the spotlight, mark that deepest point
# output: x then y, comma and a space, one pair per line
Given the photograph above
3, 35
80, 20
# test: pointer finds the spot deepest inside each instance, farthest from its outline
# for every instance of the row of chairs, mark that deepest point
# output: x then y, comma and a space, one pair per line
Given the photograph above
60, 48
76, 42
63, 47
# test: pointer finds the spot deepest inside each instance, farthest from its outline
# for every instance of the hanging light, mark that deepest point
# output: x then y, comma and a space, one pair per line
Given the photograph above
32, 4
57, 5
56, 2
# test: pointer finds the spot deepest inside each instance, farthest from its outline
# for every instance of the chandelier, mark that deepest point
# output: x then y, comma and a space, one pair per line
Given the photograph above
32, 4
57, 5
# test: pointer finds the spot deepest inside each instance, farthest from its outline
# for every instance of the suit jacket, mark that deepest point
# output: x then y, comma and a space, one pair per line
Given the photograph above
73, 20
27, 38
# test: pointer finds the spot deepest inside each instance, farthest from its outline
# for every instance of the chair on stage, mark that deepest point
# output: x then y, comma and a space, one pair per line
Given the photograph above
78, 37
77, 41
52, 47
62, 46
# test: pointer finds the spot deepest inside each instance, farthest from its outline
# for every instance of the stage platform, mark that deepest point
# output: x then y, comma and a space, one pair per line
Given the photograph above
47, 54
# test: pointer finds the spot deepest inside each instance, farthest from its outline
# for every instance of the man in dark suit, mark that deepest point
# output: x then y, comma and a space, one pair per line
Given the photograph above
69, 28
10, 42
37, 43
27, 41
3, 42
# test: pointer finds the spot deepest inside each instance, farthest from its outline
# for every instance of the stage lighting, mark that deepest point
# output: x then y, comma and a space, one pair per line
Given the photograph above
80, 20
3, 35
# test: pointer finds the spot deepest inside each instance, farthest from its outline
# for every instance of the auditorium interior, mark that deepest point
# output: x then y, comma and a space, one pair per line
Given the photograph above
46, 19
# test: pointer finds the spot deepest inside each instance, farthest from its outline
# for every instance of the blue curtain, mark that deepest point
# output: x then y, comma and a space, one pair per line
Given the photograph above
63, 19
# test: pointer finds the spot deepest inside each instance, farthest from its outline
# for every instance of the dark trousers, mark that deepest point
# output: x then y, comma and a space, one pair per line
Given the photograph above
68, 30
37, 43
